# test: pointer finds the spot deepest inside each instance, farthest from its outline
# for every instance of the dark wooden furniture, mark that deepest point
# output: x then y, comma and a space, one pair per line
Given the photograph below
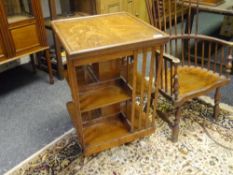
105, 112
22, 31
224, 8
208, 2
193, 65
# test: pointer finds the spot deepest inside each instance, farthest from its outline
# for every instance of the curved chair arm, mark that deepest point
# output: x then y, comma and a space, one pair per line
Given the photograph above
174, 60
169, 57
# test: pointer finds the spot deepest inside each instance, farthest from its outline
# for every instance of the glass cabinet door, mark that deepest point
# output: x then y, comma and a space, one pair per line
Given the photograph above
18, 10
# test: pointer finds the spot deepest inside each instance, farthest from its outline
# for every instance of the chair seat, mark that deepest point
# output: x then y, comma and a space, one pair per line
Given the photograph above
194, 80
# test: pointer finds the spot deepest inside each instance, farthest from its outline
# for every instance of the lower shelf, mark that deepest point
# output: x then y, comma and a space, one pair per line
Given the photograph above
107, 131
110, 132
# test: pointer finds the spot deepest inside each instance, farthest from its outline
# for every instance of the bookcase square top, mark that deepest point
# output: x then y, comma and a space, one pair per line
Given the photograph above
95, 33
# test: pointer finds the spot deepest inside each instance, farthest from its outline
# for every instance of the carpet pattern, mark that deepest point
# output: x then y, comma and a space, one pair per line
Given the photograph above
205, 147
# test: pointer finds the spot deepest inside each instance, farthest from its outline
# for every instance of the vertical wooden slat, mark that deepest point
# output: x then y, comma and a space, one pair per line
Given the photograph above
175, 9
197, 17
171, 77
161, 77
189, 17
215, 56
157, 81
158, 13
154, 12
195, 50
222, 60
135, 65
182, 17
182, 50
209, 55
165, 75
203, 54
170, 24
149, 10
151, 77
189, 52
142, 88
164, 17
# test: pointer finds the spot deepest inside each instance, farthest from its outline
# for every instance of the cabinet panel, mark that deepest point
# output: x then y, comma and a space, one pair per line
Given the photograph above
130, 6
110, 6
25, 37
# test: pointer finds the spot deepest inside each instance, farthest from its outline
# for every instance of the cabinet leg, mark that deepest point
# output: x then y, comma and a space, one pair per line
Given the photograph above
47, 56
32, 60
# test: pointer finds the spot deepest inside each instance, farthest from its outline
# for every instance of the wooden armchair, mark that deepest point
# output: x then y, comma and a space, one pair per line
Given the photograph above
186, 77
193, 64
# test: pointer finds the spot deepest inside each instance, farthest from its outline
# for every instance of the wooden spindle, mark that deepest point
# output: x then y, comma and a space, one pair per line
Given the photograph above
176, 83
154, 13
203, 54
170, 24
165, 74
135, 65
189, 52
151, 78
229, 63
197, 17
189, 18
195, 54
158, 15
161, 76
182, 17
209, 55
164, 17
215, 56
142, 88
222, 60
171, 77
149, 10
157, 81
182, 49
175, 9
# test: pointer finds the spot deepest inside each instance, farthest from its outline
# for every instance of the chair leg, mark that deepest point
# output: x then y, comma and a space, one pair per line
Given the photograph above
216, 103
176, 125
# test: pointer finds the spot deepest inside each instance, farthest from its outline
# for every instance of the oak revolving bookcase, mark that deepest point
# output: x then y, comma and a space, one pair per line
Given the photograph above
112, 111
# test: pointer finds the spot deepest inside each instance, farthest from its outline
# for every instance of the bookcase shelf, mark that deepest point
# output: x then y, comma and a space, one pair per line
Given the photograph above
104, 94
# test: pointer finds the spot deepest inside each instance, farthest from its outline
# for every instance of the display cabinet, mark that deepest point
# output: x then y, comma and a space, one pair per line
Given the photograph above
134, 7
22, 31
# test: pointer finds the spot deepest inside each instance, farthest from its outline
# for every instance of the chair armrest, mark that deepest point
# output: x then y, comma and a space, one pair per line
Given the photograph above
171, 58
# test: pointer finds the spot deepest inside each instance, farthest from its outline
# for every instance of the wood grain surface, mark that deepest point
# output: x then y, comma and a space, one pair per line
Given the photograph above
103, 31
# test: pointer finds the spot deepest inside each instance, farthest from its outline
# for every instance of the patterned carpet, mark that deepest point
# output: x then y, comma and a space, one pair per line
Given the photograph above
205, 147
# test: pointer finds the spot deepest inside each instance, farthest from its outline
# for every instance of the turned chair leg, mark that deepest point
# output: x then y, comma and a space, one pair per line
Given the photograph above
216, 103
176, 125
